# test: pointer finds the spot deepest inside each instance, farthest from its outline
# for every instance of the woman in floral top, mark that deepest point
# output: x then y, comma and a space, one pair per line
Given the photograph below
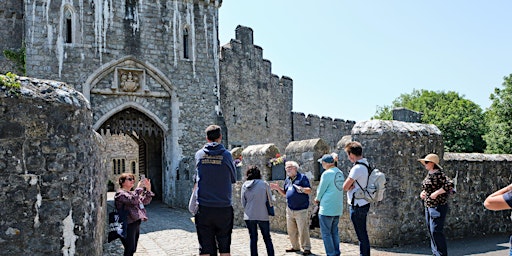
133, 202
435, 198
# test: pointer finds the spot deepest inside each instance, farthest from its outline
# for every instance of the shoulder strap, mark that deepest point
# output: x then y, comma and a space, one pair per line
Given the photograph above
369, 172
268, 196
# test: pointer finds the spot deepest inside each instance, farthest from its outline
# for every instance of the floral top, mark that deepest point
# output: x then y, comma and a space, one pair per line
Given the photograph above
433, 182
133, 202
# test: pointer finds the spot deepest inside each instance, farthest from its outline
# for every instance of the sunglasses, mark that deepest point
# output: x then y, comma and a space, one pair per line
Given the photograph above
427, 162
130, 179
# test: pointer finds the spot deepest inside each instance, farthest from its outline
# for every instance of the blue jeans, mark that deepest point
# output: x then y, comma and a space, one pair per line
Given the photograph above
252, 226
435, 217
329, 230
358, 216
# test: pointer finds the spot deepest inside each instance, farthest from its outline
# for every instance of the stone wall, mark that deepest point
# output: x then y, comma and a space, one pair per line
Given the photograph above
53, 186
477, 176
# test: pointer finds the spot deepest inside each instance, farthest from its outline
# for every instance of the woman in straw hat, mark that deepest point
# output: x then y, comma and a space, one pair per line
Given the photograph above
435, 199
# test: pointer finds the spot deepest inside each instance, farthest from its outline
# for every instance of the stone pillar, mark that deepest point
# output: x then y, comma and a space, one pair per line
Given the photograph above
53, 186
258, 155
306, 153
394, 147
254, 155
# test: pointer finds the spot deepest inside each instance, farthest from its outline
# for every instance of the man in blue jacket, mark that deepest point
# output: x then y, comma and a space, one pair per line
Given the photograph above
296, 189
215, 174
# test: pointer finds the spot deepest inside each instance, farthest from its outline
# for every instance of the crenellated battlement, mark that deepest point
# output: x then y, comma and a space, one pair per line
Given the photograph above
314, 126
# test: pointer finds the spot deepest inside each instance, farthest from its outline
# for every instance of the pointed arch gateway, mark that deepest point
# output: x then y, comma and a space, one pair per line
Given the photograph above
133, 98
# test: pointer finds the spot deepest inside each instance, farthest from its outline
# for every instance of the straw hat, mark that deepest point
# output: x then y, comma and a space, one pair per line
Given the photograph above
431, 158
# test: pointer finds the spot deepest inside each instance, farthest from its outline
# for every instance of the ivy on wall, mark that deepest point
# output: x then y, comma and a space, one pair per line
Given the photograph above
18, 57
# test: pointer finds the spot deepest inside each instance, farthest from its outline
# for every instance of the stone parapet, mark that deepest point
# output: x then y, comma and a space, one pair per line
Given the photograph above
52, 194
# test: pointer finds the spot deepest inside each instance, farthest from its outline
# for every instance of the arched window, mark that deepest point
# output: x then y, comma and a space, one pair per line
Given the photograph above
68, 26
186, 45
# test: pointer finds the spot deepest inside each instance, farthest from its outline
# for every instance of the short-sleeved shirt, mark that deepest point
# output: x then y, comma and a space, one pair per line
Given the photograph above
508, 198
433, 182
358, 173
295, 200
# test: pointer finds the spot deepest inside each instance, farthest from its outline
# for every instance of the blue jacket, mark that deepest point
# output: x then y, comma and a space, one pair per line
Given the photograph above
215, 174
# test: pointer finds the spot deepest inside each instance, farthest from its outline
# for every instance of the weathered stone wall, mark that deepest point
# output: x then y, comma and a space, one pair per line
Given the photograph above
256, 104
312, 126
11, 16
53, 185
477, 176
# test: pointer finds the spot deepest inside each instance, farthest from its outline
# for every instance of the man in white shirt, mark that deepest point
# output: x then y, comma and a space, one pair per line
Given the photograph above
357, 178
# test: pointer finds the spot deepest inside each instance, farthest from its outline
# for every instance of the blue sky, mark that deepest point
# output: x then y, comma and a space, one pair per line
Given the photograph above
348, 57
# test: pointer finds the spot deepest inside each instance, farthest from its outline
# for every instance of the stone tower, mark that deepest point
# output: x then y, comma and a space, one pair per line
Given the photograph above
150, 69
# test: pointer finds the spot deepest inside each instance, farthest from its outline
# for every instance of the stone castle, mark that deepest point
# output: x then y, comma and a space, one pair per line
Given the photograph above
155, 71
151, 77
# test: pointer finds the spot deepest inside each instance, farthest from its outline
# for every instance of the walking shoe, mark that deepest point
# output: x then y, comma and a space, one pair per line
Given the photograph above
307, 252
292, 250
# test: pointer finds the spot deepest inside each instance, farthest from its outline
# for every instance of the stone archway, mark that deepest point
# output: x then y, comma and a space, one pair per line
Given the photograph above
148, 135
130, 85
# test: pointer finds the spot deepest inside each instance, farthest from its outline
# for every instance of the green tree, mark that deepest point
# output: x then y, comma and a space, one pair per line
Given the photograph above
460, 120
499, 119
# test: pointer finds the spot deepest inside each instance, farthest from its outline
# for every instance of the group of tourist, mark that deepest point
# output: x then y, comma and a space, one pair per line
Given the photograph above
214, 212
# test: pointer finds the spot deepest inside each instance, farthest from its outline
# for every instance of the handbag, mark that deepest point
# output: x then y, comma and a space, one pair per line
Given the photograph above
270, 207
193, 206
117, 224
315, 221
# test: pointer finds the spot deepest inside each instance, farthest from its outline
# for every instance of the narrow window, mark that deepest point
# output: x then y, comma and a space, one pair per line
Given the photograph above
185, 44
114, 166
118, 166
133, 167
123, 166
68, 27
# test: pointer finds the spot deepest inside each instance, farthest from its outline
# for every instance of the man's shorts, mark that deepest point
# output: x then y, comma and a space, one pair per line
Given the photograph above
214, 226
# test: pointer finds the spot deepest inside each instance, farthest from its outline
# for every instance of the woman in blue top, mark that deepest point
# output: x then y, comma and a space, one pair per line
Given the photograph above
255, 193
330, 197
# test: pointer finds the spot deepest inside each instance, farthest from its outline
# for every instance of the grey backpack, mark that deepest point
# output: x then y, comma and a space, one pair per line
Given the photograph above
375, 188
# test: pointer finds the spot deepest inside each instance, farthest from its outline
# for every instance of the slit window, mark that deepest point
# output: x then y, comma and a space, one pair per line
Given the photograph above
185, 44
68, 27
